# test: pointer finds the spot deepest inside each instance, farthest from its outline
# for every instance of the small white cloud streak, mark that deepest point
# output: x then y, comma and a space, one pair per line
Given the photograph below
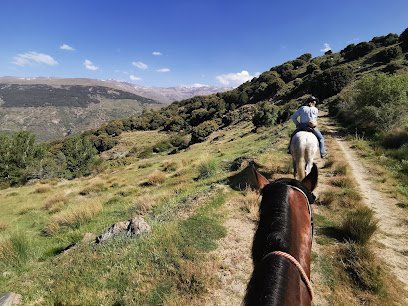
157, 53
326, 48
67, 47
163, 70
140, 65
90, 66
134, 78
32, 57
234, 78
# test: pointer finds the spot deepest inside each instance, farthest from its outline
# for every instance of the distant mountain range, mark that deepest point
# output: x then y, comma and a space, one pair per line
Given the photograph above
50, 107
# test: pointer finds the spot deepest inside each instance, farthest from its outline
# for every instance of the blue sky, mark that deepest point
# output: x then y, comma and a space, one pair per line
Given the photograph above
170, 43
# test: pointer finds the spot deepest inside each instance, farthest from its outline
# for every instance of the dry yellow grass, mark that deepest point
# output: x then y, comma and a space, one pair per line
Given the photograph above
74, 216
55, 203
249, 203
156, 178
3, 226
94, 188
42, 189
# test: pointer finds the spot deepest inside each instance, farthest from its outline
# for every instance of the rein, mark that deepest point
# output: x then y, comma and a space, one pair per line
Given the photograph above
298, 266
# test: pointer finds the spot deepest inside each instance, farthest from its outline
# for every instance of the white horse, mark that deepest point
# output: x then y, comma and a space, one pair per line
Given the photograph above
303, 147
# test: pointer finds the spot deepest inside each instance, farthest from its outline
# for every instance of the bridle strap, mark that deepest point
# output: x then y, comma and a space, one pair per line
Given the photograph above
308, 206
298, 266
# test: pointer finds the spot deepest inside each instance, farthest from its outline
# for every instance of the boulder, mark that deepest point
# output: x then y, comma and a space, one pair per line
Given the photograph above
132, 227
10, 298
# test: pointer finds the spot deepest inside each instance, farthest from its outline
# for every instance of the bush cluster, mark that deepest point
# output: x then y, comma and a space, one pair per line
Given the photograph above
353, 52
388, 54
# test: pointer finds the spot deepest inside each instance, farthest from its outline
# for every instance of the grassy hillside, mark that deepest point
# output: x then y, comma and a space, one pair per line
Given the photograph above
180, 196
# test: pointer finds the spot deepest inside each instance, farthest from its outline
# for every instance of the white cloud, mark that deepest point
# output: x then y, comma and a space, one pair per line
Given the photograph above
89, 65
66, 47
140, 65
157, 53
234, 78
326, 48
32, 57
163, 70
134, 78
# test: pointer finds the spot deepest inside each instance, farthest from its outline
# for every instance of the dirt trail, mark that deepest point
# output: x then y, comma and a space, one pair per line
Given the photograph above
392, 237
235, 258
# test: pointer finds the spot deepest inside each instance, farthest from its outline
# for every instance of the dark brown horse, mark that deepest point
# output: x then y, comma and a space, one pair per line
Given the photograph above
282, 243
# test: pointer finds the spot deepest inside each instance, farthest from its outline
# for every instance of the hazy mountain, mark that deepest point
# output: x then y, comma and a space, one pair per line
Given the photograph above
50, 107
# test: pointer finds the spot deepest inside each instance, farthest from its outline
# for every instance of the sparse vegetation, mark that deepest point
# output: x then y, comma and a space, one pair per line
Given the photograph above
207, 168
359, 225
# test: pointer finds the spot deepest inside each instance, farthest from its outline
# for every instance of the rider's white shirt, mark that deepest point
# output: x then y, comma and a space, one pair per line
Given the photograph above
306, 114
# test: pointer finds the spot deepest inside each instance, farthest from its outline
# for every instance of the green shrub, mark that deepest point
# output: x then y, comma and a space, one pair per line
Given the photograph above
360, 264
305, 57
393, 67
331, 81
114, 128
380, 103
327, 64
103, 142
20, 158
384, 41
80, 156
266, 115
388, 54
395, 139
352, 52
207, 168
203, 130
359, 225
162, 146
403, 38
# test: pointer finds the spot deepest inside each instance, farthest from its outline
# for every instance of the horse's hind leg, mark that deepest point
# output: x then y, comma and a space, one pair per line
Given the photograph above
294, 168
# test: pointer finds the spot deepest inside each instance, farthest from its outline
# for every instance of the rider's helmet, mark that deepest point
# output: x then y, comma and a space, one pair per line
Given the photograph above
312, 99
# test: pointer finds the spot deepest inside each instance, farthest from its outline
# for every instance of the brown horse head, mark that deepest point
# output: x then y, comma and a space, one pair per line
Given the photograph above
282, 243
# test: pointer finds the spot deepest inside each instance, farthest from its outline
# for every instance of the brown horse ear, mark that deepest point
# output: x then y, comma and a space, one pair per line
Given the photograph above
260, 179
310, 181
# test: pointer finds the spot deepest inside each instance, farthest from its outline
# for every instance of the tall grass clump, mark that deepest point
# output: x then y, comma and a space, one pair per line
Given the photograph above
363, 269
359, 225
55, 203
156, 178
74, 216
207, 169
14, 250
94, 188
42, 189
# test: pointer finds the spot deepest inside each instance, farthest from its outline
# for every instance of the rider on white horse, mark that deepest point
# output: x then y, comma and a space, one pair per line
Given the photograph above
308, 122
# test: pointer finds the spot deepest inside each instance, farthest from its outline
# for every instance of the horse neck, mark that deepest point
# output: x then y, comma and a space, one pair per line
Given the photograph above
284, 225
